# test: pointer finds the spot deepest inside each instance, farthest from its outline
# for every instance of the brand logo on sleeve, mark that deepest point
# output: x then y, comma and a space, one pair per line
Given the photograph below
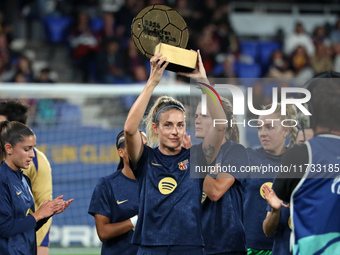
29, 211
19, 192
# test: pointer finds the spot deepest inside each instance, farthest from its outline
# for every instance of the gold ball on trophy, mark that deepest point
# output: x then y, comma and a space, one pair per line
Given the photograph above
158, 24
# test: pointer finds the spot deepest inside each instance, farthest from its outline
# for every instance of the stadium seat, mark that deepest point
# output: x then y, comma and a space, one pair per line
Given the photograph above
248, 70
266, 49
56, 29
250, 49
69, 115
248, 73
96, 24
218, 69
148, 66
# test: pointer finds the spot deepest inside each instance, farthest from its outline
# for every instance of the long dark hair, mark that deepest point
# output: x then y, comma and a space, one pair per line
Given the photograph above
14, 110
120, 144
12, 132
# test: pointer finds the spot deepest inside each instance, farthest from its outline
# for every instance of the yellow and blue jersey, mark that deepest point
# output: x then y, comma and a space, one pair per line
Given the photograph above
254, 208
17, 225
116, 197
40, 174
170, 201
315, 204
222, 221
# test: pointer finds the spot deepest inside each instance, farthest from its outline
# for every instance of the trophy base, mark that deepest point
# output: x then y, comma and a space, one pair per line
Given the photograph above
180, 60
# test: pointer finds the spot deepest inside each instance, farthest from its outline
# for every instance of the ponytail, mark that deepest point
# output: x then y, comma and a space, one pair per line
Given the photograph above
3, 126
292, 114
232, 132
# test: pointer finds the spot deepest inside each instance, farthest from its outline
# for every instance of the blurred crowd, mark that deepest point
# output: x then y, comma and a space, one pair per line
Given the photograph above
97, 37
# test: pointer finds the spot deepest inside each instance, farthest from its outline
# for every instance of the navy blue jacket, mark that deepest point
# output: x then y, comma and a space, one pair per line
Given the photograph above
222, 221
116, 197
17, 225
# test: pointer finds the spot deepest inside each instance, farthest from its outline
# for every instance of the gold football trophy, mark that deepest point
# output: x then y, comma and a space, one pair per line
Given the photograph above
159, 28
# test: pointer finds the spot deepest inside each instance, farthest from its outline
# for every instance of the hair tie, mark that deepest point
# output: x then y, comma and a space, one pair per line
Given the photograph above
168, 106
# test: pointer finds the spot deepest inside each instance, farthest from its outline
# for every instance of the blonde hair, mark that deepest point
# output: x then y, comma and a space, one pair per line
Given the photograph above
232, 132
291, 113
162, 104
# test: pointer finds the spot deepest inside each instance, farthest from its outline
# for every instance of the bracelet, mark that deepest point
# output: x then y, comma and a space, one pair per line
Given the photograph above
134, 220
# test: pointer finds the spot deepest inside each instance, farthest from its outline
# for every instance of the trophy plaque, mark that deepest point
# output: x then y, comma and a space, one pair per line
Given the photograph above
159, 28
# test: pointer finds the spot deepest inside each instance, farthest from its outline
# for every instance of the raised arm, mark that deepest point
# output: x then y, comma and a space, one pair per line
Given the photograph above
134, 144
213, 140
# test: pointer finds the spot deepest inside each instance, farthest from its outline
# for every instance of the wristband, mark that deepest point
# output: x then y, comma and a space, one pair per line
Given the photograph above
134, 220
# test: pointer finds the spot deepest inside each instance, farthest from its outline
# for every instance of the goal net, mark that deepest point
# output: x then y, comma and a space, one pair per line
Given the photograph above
76, 127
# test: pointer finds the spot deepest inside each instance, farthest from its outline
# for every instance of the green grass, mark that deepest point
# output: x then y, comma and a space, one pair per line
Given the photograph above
74, 251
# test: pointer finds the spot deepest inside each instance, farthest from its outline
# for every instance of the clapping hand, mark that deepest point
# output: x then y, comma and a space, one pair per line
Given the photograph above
272, 200
49, 208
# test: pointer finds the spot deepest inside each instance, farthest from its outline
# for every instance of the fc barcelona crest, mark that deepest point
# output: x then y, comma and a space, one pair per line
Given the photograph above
183, 165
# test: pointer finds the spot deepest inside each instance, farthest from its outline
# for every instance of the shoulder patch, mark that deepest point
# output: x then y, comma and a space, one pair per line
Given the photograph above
183, 165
